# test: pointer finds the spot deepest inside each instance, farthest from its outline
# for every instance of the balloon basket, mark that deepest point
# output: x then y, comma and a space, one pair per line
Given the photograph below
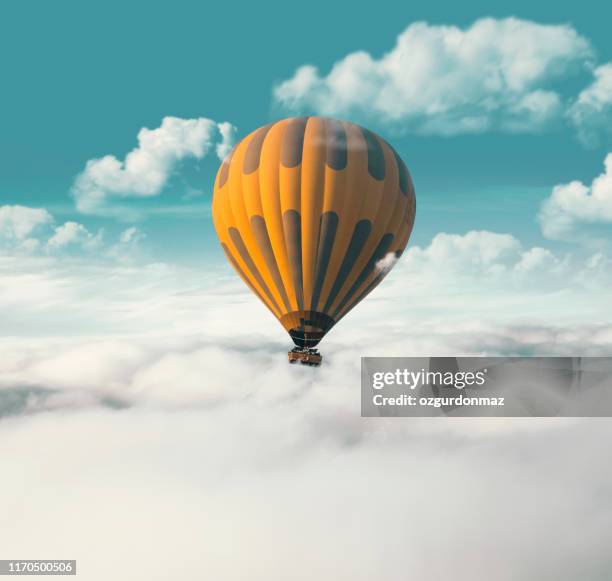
305, 356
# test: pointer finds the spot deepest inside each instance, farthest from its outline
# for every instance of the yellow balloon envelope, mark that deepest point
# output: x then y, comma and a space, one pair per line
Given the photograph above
306, 209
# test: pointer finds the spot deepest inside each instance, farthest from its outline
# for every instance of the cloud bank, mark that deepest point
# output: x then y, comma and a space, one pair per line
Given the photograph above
124, 331
149, 409
28, 232
331, 497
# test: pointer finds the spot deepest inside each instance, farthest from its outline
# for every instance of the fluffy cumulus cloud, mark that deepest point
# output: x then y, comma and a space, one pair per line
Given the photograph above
151, 408
495, 74
591, 113
476, 250
18, 224
74, 234
490, 256
481, 287
146, 169
574, 204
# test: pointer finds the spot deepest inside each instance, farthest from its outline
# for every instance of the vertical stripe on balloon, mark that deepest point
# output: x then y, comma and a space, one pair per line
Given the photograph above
246, 258
293, 239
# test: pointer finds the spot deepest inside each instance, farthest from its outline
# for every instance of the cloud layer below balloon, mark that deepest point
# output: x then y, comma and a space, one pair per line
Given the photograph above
149, 410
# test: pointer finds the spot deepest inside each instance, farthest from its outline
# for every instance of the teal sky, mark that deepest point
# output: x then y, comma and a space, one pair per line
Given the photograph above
80, 79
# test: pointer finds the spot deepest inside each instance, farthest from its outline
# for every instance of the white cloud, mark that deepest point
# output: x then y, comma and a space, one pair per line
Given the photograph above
475, 276
74, 234
128, 248
31, 232
386, 263
228, 136
484, 278
131, 235
479, 278
591, 113
495, 74
18, 224
146, 169
114, 378
299, 494
574, 204
477, 254
481, 250
281, 449
538, 260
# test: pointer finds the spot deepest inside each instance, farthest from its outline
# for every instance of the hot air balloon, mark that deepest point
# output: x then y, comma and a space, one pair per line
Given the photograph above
312, 213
